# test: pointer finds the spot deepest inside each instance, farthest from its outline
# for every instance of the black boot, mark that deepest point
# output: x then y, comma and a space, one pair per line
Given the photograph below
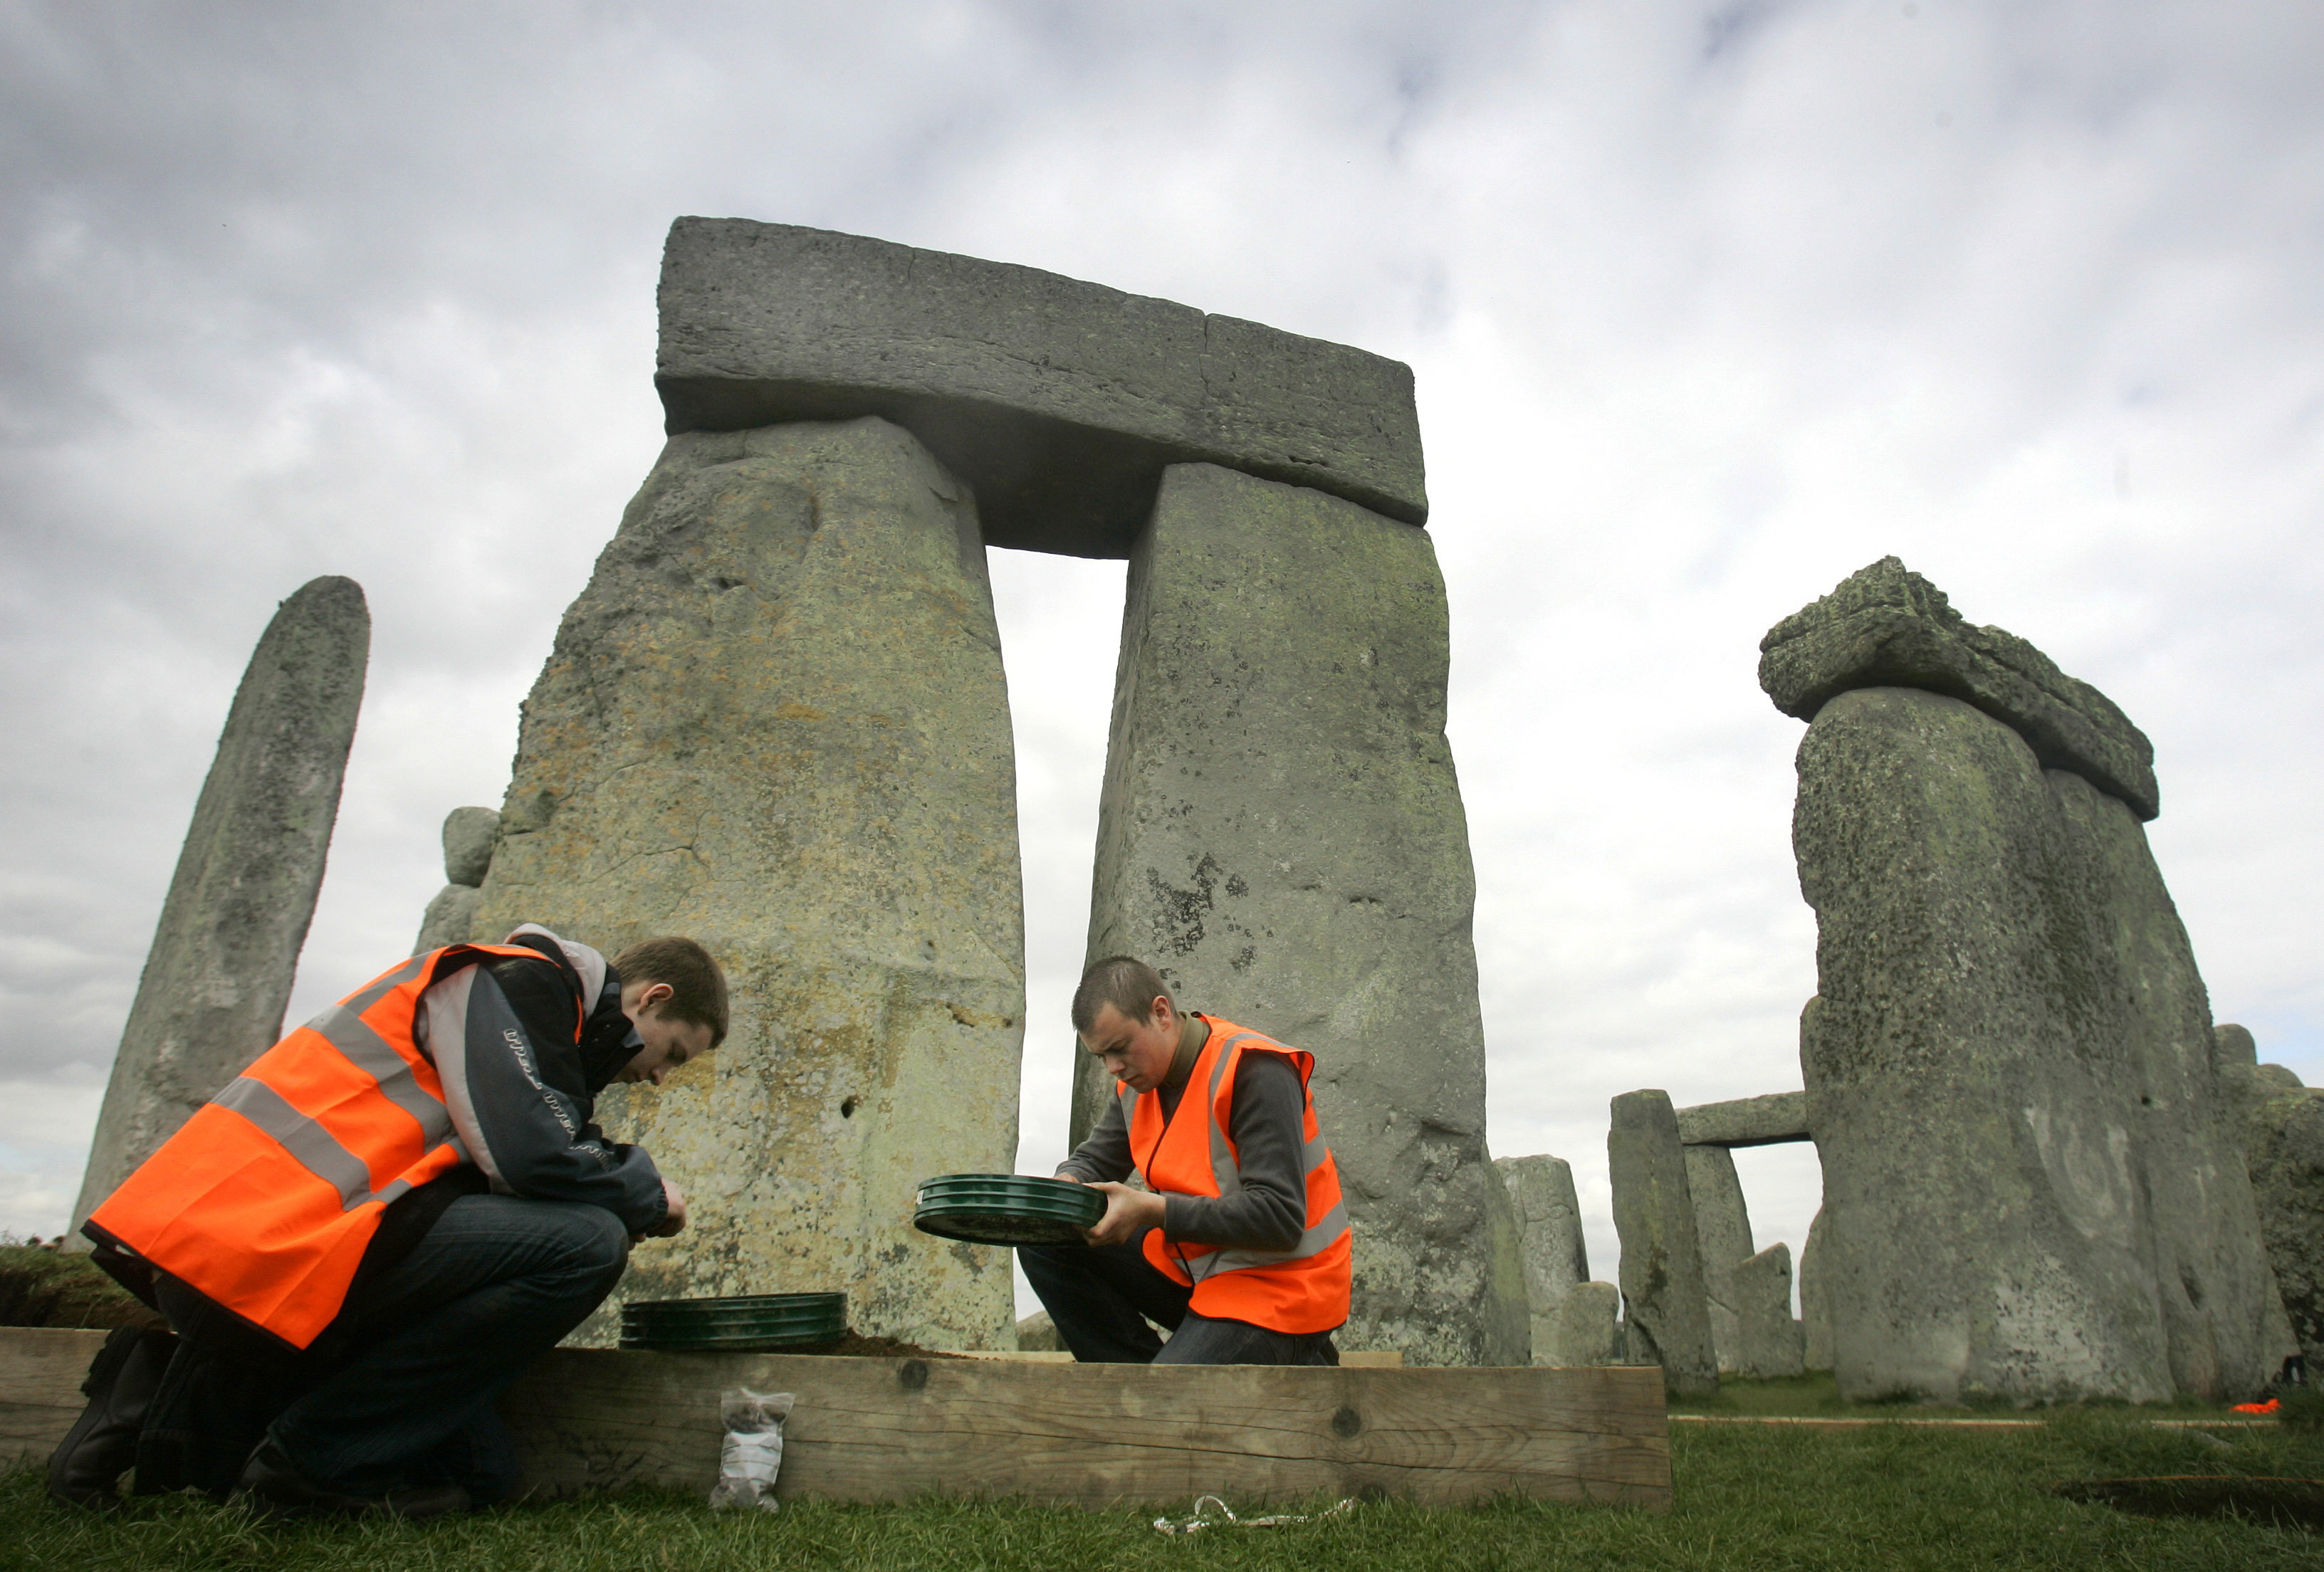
101, 1445
273, 1488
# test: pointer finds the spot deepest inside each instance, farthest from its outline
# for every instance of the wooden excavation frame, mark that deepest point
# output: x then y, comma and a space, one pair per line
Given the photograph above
1088, 1435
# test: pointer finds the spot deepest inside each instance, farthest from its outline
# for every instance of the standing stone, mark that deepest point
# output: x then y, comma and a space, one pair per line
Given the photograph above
2286, 1153
1281, 835
1588, 1325
1666, 1313
1767, 1340
1557, 1258
776, 721
1815, 1298
469, 837
1038, 1333
226, 949
2026, 1193
1722, 1229
2245, 1083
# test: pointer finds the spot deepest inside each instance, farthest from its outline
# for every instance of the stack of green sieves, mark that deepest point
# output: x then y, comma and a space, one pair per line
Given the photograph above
743, 1324
1007, 1209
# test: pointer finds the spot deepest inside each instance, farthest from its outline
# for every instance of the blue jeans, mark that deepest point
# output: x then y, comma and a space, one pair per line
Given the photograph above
495, 1283
1101, 1297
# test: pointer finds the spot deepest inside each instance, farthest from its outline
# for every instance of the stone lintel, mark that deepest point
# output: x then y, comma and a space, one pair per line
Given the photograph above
1748, 1121
1886, 625
1060, 402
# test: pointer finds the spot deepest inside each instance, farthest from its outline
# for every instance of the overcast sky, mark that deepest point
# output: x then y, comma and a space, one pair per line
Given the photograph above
1709, 306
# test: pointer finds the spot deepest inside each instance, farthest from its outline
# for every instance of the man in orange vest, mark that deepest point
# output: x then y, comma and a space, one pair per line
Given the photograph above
1240, 1241
365, 1236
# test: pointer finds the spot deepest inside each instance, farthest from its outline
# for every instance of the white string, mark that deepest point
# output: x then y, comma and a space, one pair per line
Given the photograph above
1202, 1520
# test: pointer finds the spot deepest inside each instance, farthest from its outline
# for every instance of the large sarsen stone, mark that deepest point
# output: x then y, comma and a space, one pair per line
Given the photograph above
1281, 835
776, 721
2027, 1189
226, 951
1061, 403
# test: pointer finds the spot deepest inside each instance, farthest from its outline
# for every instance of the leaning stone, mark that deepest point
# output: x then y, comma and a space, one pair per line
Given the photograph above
1666, 1313
1751, 1121
1722, 1230
1038, 1333
1557, 1258
219, 976
775, 721
2027, 1191
1587, 1329
1888, 627
1060, 402
1768, 1342
1815, 1301
450, 919
469, 835
2286, 1153
1281, 833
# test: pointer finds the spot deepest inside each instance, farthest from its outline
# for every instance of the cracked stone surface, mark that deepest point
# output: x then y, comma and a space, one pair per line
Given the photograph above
219, 975
775, 721
1281, 835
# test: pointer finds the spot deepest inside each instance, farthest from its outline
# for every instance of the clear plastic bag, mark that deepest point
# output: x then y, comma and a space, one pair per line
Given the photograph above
752, 1453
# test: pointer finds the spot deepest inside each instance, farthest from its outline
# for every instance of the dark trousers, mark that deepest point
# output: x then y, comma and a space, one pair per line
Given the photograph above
1101, 1297
497, 1282
404, 1393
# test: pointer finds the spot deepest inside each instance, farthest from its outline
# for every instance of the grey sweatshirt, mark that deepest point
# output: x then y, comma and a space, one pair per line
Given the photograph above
1268, 1125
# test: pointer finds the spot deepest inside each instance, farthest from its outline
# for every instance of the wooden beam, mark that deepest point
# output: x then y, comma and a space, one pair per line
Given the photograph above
40, 1372
1096, 1435
890, 1430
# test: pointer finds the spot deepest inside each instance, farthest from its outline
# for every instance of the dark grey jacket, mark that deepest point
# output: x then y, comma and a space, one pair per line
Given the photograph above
521, 1083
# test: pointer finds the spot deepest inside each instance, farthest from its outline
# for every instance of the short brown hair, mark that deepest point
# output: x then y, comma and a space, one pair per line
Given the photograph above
1123, 981
697, 989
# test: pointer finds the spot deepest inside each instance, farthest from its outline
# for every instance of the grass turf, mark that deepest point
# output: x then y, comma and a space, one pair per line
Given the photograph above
1915, 1500
1816, 1396
39, 1287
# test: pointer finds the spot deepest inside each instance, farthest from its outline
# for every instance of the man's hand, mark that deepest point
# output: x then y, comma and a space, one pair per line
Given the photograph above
1128, 1212
674, 1198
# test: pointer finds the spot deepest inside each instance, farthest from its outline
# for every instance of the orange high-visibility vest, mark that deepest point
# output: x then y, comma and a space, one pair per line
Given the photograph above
266, 1198
1303, 1289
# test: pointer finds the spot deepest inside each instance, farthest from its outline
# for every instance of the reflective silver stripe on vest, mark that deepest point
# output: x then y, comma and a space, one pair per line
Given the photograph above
318, 1151
386, 985
1313, 1242
376, 1057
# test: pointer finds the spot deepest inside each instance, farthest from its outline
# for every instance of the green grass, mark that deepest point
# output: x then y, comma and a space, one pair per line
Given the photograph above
1884, 1497
1816, 1396
52, 1288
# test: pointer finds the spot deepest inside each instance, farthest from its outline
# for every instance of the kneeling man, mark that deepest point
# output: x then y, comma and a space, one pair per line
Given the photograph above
365, 1236
1240, 1242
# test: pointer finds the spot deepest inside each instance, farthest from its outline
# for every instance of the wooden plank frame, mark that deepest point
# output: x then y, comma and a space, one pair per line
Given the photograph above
1102, 1435
1090, 1435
